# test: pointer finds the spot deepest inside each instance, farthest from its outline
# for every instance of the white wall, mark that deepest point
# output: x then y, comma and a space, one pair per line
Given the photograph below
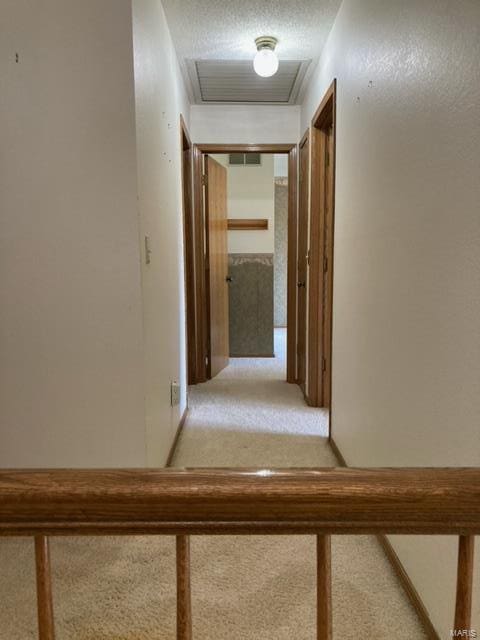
160, 98
250, 194
243, 124
71, 387
406, 352
87, 349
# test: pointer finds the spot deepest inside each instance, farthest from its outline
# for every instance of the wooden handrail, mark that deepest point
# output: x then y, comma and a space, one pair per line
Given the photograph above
420, 501
210, 501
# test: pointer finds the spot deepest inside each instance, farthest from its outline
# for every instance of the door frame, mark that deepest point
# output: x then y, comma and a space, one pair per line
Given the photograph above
201, 286
320, 317
305, 140
188, 250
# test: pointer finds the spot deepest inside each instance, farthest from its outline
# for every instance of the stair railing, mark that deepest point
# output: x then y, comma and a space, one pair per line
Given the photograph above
185, 502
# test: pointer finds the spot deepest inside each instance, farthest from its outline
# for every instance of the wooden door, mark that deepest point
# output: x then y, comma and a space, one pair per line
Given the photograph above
216, 266
302, 262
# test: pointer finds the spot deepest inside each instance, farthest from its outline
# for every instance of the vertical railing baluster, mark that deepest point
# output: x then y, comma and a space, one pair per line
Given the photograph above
184, 597
463, 606
46, 629
324, 588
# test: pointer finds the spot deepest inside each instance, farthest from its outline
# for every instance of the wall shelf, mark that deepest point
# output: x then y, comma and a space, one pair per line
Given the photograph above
247, 224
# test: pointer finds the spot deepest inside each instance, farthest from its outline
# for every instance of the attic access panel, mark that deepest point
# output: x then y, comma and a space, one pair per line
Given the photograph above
235, 81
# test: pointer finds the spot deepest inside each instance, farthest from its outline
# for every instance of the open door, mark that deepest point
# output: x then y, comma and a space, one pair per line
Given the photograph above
216, 266
302, 266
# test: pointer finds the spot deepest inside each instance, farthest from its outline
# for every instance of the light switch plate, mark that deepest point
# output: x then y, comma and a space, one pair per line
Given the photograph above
174, 393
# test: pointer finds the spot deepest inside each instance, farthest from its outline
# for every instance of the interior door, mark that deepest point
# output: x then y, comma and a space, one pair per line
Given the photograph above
216, 265
302, 265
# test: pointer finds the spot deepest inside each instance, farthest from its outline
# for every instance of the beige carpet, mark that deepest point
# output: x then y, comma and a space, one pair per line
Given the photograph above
244, 588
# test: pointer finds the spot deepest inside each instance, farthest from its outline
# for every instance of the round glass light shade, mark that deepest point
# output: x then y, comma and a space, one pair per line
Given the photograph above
265, 63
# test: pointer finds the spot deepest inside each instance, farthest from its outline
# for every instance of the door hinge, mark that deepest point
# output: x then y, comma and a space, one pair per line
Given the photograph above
325, 264
308, 257
204, 180
324, 365
327, 158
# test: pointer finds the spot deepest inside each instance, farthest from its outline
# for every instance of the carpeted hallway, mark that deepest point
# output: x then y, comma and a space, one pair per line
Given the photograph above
244, 588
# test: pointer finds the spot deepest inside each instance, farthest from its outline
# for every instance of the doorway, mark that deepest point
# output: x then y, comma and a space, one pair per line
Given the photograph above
322, 217
211, 259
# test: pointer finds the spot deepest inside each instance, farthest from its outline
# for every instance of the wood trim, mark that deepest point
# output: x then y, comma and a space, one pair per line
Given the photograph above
330, 256
321, 114
188, 251
314, 279
399, 569
247, 224
325, 501
321, 251
292, 266
304, 138
178, 433
465, 569
253, 355
184, 589
46, 625
200, 280
303, 217
410, 591
201, 290
324, 588
246, 148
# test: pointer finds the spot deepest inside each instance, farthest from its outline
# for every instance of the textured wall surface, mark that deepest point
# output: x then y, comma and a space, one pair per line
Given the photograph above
251, 304
250, 194
71, 364
244, 124
159, 99
406, 336
281, 252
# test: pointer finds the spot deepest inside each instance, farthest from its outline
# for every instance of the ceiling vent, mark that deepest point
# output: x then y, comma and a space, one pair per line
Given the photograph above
235, 81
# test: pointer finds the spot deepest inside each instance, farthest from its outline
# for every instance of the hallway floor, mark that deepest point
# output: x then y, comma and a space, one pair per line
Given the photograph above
249, 416
244, 588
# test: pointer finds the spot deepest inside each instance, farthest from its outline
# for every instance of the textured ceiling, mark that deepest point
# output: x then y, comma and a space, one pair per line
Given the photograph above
226, 29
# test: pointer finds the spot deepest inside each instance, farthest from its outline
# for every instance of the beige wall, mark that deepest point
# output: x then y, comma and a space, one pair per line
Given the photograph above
406, 363
250, 194
242, 124
160, 98
91, 142
71, 369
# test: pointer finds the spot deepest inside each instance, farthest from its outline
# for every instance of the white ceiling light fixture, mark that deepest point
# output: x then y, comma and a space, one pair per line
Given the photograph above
265, 62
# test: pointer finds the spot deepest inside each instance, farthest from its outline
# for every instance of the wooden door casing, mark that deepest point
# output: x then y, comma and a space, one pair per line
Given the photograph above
320, 277
302, 261
216, 221
327, 287
200, 152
